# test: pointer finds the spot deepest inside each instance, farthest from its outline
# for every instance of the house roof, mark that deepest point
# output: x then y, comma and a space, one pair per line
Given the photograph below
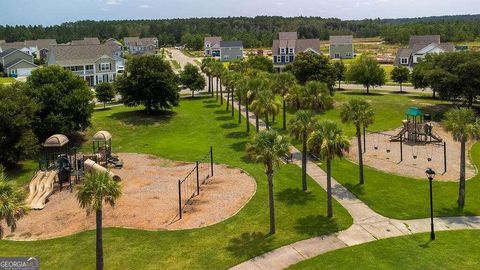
112, 41
17, 61
135, 41
287, 35
301, 45
212, 40
12, 45
41, 43
341, 40
7, 52
423, 40
231, 43
67, 55
448, 46
402, 53
86, 41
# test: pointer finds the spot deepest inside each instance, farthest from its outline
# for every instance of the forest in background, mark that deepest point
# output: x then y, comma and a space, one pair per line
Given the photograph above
254, 32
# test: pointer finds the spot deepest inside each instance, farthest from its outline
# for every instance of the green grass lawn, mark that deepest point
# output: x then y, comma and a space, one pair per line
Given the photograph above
186, 134
175, 64
6, 80
391, 195
450, 250
193, 53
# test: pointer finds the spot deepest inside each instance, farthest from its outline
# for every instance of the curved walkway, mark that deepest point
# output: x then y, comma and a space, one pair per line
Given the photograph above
367, 224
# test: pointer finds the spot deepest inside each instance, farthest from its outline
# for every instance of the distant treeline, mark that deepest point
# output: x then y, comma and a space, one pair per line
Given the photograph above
255, 32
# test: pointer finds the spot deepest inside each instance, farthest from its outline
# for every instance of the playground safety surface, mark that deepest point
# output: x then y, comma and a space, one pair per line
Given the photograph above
149, 201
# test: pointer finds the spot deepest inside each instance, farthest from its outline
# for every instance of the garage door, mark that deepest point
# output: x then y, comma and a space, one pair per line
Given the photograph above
24, 72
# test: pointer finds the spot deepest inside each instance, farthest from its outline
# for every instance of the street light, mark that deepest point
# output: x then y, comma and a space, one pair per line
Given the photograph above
431, 174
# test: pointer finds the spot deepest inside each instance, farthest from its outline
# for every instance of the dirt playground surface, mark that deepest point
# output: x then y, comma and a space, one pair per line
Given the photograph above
149, 201
381, 160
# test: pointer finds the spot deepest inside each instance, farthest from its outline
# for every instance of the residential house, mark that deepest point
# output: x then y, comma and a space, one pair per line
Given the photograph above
38, 48
288, 46
231, 50
17, 63
94, 63
212, 46
117, 53
86, 41
418, 47
136, 45
341, 47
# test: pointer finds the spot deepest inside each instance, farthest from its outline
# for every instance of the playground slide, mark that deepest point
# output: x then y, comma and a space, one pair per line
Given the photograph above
90, 166
45, 189
33, 186
399, 135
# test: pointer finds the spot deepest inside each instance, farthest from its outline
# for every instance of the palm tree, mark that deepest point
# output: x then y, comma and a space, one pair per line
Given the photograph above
241, 91
360, 113
205, 66
328, 141
316, 96
217, 69
294, 95
282, 83
268, 147
257, 84
303, 123
12, 204
96, 189
265, 103
228, 82
464, 125
235, 81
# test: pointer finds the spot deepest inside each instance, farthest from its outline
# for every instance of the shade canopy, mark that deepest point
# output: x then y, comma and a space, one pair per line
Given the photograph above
57, 140
414, 111
102, 136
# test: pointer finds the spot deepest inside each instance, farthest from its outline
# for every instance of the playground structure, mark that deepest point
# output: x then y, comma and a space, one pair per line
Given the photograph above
60, 164
103, 153
410, 149
417, 128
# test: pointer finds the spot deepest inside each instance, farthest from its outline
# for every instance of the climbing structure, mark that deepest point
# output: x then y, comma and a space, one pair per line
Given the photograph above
417, 128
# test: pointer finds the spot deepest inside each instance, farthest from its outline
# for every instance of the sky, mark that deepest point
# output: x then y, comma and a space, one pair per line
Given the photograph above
49, 12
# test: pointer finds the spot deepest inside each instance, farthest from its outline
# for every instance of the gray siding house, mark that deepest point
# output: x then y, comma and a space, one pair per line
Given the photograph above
17, 63
341, 47
418, 47
94, 63
136, 45
231, 50
288, 46
212, 46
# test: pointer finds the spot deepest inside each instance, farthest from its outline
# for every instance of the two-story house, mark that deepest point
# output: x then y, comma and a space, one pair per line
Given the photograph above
231, 50
211, 46
136, 45
288, 46
418, 47
94, 63
37, 48
86, 41
17, 63
341, 47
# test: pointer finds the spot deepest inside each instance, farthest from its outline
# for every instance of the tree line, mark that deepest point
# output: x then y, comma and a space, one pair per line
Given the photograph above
253, 31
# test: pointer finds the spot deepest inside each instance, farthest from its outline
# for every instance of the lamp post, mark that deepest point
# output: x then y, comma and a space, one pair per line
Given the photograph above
431, 174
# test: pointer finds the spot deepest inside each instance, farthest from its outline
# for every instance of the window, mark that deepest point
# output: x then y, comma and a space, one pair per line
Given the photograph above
287, 59
404, 61
239, 57
226, 57
292, 58
89, 67
290, 50
105, 66
348, 54
337, 55
282, 50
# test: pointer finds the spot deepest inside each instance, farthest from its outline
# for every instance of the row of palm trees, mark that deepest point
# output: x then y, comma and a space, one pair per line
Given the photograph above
258, 91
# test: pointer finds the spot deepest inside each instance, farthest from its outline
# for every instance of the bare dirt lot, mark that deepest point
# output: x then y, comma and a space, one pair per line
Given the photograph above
149, 201
381, 160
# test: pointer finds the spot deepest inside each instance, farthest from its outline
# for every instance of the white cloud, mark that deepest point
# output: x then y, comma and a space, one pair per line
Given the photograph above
144, 6
113, 2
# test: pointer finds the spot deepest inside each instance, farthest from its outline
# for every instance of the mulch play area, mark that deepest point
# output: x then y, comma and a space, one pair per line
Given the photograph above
149, 201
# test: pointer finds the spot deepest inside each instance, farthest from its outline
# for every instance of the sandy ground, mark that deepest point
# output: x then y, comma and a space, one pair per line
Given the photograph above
149, 201
390, 162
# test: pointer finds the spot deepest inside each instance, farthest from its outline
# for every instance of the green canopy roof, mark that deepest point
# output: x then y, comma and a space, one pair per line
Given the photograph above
414, 111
